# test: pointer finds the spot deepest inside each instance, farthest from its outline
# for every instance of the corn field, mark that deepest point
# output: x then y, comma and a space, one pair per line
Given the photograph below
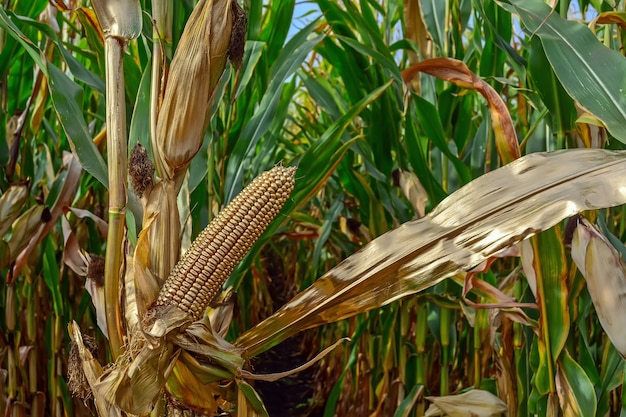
313, 208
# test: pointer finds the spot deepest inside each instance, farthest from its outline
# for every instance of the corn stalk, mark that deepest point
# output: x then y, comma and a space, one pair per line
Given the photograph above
120, 21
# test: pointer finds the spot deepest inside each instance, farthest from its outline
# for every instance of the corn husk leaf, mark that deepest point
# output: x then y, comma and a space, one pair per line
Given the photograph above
22, 231
187, 359
221, 314
605, 273
132, 310
206, 360
96, 292
200, 339
184, 385
196, 68
134, 387
11, 204
474, 403
146, 285
481, 219
162, 228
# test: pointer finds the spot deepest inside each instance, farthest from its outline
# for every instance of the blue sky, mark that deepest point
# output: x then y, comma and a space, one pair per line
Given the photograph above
304, 12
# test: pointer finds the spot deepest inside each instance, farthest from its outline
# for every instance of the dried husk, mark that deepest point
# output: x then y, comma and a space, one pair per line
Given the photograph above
162, 226
23, 230
25, 226
605, 273
196, 68
11, 203
412, 189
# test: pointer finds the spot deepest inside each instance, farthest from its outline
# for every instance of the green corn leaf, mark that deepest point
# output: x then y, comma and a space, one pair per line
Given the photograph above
67, 98
550, 271
16, 33
561, 106
590, 72
290, 59
577, 394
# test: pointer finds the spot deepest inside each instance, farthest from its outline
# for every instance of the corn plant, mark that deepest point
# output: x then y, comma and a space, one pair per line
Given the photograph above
461, 290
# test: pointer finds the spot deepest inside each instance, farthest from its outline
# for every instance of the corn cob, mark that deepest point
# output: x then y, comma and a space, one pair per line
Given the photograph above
198, 276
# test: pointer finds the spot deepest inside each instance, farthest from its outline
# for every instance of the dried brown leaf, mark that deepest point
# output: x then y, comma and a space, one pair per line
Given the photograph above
456, 72
493, 212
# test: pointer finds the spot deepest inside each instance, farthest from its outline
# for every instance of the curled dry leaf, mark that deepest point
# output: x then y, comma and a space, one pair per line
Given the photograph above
605, 273
416, 31
102, 226
73, 256
456, 72
412, 189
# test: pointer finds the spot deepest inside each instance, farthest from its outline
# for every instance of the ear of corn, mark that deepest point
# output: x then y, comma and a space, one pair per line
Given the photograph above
197, 65
197, 278
605, 273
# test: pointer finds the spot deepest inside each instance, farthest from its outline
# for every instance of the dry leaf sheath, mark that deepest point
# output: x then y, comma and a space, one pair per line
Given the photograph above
214, 254
183, 116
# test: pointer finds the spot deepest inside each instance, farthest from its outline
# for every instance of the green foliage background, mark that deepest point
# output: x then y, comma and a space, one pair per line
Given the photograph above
331, 100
